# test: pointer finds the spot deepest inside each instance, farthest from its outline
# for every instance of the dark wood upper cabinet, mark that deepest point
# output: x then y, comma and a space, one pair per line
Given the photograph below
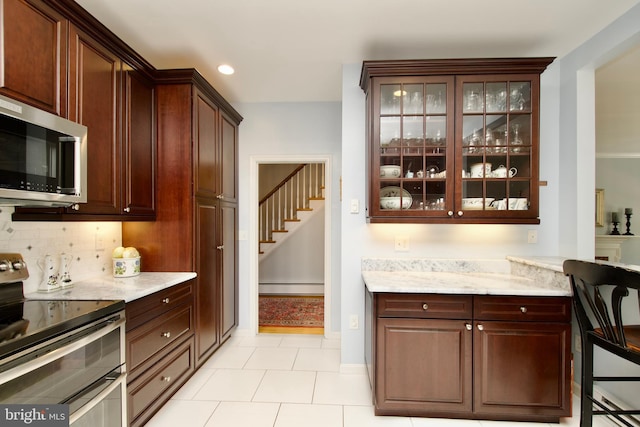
33, 67
453, 141
228, 158
139, 172
206, 155
95, 74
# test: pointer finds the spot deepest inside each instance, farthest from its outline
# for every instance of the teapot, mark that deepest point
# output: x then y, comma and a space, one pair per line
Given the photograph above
502, 172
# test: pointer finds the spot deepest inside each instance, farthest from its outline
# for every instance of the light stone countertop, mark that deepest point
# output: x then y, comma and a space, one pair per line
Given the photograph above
519, 276
108, 287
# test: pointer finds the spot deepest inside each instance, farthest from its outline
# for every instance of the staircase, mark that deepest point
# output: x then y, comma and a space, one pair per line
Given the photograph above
289, 205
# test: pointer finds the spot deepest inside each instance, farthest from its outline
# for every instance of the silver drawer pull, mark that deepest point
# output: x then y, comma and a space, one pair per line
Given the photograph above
468, 326
165, 300
480, 328
425, 306
523, 309
166, 334
165, 379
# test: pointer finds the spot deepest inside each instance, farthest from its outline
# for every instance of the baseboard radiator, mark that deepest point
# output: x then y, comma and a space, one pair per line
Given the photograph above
605, 398
291, 288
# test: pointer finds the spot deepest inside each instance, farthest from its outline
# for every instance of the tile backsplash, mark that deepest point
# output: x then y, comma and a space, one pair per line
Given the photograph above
89, 243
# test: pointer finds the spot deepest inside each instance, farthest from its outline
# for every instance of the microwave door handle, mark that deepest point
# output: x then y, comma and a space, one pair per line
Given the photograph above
120, 380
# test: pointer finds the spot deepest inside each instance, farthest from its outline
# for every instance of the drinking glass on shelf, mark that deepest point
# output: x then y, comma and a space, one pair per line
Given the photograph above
516, 100
516, 141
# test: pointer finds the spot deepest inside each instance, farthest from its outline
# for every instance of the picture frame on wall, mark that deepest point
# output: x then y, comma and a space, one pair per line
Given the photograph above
599, 207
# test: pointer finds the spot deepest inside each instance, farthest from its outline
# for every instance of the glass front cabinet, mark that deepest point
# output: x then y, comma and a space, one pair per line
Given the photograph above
453, 140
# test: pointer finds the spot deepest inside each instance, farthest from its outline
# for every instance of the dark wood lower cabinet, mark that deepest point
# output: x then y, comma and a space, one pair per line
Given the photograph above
521, 369
424, 361
424, 365
160, 349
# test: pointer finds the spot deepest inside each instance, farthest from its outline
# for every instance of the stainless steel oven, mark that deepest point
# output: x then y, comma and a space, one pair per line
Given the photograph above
63, 352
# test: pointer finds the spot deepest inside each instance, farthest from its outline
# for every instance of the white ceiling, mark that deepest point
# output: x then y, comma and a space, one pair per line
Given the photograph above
293, 50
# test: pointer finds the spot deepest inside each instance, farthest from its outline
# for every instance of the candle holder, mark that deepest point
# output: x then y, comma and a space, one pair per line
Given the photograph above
615, 231
628, 215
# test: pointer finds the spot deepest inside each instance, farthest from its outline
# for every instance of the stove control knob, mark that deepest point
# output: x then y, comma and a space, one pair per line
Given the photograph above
4, 265
18, 265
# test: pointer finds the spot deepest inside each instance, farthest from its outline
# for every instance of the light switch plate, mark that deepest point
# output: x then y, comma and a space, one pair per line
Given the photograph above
355, 206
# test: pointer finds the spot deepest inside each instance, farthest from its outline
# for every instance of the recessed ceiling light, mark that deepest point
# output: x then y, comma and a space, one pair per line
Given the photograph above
226, 69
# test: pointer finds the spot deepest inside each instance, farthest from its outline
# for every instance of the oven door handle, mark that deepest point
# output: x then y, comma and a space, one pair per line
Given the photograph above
120, 380
34, 364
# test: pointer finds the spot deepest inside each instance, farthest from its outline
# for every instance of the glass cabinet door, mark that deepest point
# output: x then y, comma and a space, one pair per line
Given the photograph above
497, 150
413, 140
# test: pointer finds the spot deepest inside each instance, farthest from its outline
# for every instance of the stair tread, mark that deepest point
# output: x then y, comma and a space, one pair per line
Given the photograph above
267, 241
279, 231
292, 220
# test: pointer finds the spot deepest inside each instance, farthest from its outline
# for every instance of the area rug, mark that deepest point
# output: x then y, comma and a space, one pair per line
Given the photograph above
291, 311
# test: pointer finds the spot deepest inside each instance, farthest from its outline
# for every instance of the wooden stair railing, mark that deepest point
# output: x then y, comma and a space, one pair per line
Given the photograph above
290, 196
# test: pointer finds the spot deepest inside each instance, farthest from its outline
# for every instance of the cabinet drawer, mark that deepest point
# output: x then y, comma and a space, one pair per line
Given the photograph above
424, 306
149, 339
145, 309
150, 391
528, 309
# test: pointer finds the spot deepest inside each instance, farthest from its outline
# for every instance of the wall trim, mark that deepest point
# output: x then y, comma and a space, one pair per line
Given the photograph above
617, 155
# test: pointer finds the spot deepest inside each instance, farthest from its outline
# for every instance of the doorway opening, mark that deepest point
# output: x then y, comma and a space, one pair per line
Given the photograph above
291, 285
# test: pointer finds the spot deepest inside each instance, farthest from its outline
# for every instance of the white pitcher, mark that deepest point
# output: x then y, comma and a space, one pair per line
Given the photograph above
49, 276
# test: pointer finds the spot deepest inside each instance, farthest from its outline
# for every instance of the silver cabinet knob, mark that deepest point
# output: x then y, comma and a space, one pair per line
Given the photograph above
480, 328
75, 207
127, 209
221, 247
219, 197
425, 306
165, 300
468, 326
460, 213
450, 213
166, 334
165, 379
523, 309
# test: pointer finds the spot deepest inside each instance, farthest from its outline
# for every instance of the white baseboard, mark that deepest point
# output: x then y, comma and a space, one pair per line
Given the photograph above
291, 288
354, 368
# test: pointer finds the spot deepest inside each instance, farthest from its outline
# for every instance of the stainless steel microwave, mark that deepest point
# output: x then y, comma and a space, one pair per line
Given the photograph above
43, 157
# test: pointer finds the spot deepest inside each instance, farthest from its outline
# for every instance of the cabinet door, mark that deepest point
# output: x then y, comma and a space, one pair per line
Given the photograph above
412, 147
423, 365
522, 369
33, 68
139, 147
229, 285
207, 295
497, 146
228, 159
95, 87
205, 122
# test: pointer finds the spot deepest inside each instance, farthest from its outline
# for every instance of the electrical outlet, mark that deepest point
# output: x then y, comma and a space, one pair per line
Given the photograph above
402, 244
532, 236
577, 343
353, 321
99, 242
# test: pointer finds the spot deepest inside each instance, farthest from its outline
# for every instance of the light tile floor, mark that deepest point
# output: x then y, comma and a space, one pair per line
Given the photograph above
289, 381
